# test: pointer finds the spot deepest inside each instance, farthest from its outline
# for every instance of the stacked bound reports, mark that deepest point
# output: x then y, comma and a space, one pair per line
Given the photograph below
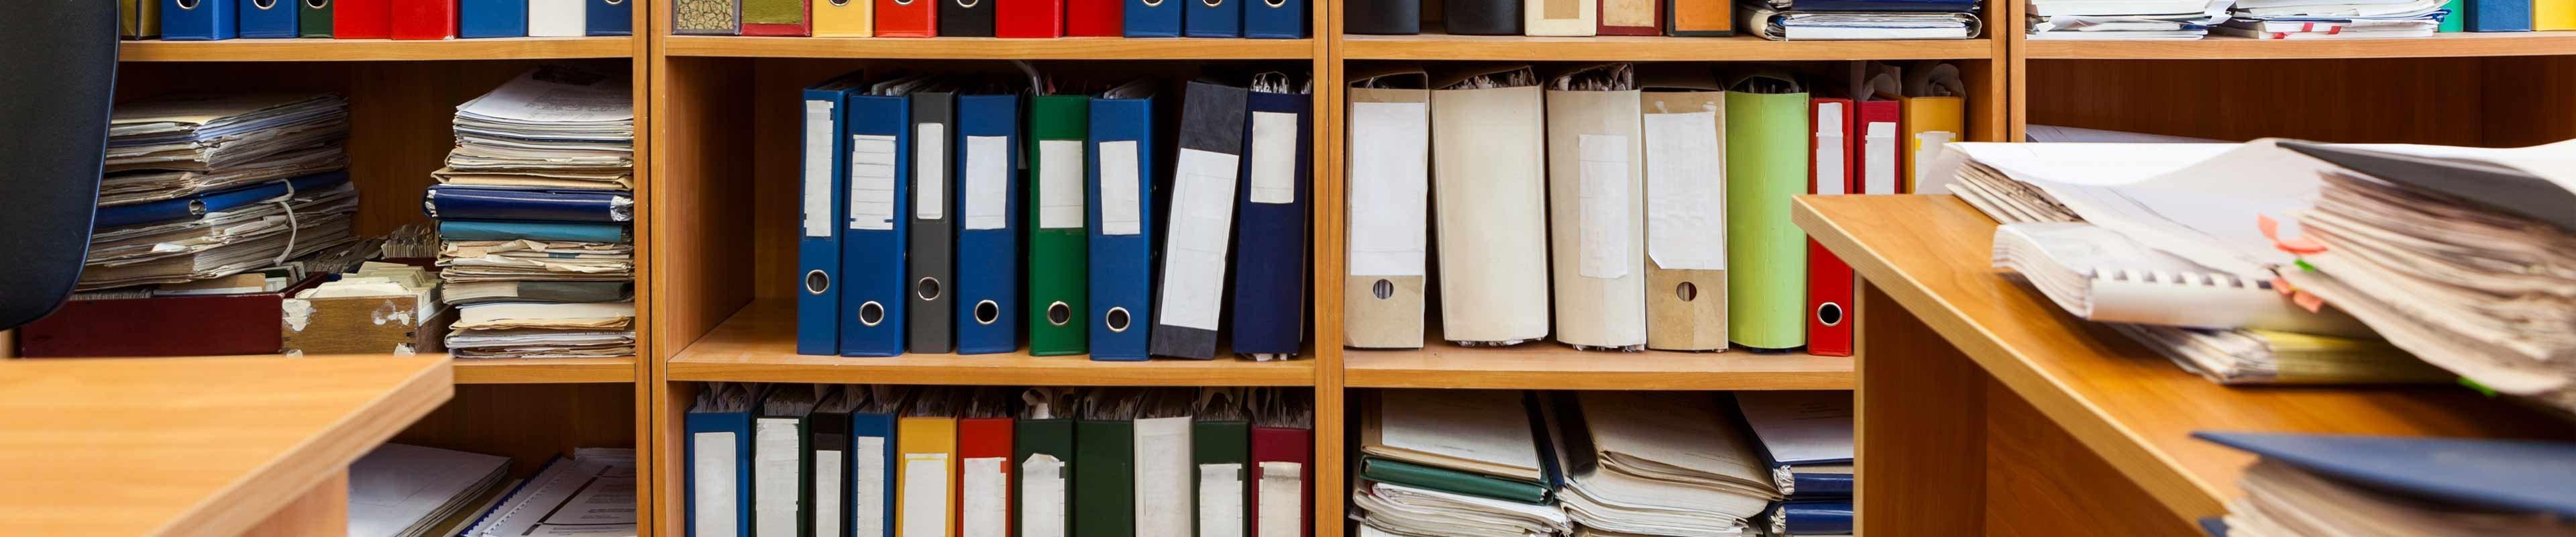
1670, 464
2335, 19
2125, 19
206, 186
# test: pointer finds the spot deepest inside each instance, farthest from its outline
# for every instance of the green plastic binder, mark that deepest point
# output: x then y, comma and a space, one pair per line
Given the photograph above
1058, 246
1766, 255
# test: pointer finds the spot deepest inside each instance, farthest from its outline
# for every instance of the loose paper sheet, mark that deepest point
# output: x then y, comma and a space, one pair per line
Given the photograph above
1390, 189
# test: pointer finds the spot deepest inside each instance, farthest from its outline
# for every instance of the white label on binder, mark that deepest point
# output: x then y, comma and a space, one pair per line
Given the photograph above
930, 171
1830, 177
1059, 184
1274, 157
1162, 471
1122, 196
1282, 512
988, 182
872, 181
1042, 496
1194, 255
1685, 192
1221, 500
868, 500
983, 511
1604, 208
1927, 146
827, 492
773, 475
1878, 158
818, 168
712, 455
925, 496
1390, 188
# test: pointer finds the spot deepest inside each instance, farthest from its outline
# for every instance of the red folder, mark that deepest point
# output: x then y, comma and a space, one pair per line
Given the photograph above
204, 325
1282, 444
1829, 280
1095, 18
804, 26
1615, 12
361, 19
1039, 19
982, 438
908, 18
1878, 147
423, 19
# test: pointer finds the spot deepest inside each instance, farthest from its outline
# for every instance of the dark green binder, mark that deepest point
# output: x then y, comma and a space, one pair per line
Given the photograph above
1058, 245
1227, 441
1053, 437
1104, 478
314, 18
1446, 480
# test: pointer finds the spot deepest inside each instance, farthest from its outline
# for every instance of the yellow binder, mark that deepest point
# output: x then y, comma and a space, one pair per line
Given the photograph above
927, 484
1936, 112
2552, 15
844, 18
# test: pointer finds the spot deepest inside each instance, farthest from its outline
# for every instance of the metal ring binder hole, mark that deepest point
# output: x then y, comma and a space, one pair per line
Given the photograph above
1153, 3
834, 2
816, 282
264, 5
1275, 3
1382, 289
986, 312
1687, 291
927, 289
1212, 3
1059, 313
871, 313
317, 4
903, 2
968, 3
1117, 319
188, 4
616, 2
1830, 313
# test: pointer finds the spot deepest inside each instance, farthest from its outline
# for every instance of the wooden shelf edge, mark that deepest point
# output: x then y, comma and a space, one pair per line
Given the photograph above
758, 344
961, 48
1650, 48
514, 48
611, 370
1551, 366
2456, 44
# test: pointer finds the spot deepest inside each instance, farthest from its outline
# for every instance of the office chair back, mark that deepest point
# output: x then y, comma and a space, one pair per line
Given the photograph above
55, 95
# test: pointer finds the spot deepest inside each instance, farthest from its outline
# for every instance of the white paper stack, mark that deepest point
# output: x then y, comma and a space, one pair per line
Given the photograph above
403, 490
592, 493
543, 330
1658, 464
553, 127
2335, 19
2125, 19
539, 290
1403, 510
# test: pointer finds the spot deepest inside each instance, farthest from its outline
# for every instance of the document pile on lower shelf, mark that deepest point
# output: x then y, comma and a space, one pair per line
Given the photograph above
590, 493
2320, 484
1806, 437
2335, 19
200, 187
534, 209
403, 490
2126, 19
1804, 20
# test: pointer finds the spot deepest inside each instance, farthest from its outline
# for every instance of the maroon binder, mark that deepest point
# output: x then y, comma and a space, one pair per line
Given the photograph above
161, 326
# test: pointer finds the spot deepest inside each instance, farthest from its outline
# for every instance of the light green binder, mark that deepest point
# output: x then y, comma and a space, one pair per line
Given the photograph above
1766, 255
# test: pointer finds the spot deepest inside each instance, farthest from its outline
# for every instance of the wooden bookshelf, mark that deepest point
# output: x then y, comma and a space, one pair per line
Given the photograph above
1446, 47
306, 50
616, 369
2218, 47
759, 345
988, 48
1548, 365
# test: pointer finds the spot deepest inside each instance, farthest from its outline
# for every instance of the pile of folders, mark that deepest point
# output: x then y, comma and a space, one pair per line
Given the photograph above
880, 461
1772, 19
945, 212
1654, 205
207, 20
1279, 19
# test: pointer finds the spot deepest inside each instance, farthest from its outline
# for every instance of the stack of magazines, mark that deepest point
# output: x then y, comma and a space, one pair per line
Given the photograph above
535, 209
2125, 19
1804, 20
206, 186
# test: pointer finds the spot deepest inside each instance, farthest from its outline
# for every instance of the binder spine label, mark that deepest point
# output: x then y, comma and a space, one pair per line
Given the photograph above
1685, 192
1042, 496
774, 470
1831, 179
1390, 189
985, 510
1604, 240
925, 496
827, 492
872, 181
712, 484
1162, 472
1878, 158
930, 169
1202, 220
1122, 199
1274, 157
988, 182
1283, 507
1060, 184
868, 498
819, 117
1220, 500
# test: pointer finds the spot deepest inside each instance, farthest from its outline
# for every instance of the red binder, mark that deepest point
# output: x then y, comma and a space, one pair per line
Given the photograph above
423, 19
361, 19
1829, 280
1282, 444
1039, 19
908, 18
205, 325
1878, 130
983, 438
1095, 18
804, 26
1631, 17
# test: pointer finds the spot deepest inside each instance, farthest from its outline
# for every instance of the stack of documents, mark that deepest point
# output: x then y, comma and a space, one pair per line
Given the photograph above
535, 209
2317, 484
1454, 462
2125, 19
1806, 438
402, 490
206, 186
1656, 464
2254, 356
1802, 20
2335, 19
592, 493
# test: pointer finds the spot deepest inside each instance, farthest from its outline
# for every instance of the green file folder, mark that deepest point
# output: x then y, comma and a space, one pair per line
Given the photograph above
1058, 246
1766, 255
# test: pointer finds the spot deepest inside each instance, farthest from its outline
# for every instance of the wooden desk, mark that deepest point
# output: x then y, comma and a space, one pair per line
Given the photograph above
1983, 409
198, 446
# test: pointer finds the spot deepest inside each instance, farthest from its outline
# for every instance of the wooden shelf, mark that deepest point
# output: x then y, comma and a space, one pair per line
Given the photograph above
759, 345
962, 48
304, 50
545, 370
1433, 46
2241, 48
1548, 365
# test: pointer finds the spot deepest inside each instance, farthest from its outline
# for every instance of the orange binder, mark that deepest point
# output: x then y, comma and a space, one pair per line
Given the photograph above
984, 462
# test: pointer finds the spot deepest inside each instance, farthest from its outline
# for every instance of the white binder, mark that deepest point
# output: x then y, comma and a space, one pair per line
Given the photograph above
1488, 155
1596, 202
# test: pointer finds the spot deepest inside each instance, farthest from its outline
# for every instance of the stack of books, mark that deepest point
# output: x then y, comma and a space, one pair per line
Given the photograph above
1804, 20
2125, 19
535, 207
200, 187
1806, 439
2335, 19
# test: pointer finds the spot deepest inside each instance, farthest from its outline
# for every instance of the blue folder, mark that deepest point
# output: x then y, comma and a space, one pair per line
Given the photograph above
505, 230
217, 201
1812, 517
491, 18
269, 19
198, 20
546, 205
1212, 18
988, 232
1819, 484
609, 17
1154, 18
1284, 19
1270, 234
2483, 16
1121, 258
873, 247
711, 426
862, 427
818, 241
2503, 475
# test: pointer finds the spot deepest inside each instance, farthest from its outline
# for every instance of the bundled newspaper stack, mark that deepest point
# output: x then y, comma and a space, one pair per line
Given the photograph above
535, 209
2126, 19
2335, 19
199, 187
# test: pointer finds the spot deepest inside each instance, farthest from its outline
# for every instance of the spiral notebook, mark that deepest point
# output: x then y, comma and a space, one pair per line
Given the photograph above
2100, 275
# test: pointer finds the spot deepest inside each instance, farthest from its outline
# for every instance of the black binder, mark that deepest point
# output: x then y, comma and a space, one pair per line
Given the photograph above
1190, 297
932, 263
1482, 17
1383, 17
966, 18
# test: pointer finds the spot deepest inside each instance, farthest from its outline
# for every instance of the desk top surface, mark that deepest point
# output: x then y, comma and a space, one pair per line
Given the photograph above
1932, 253
191, 446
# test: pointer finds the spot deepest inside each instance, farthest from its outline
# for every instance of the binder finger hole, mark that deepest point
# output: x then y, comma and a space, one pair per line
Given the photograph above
1686, 291
263, 4
926, 288
1116, 319
986, 312
816, 282
1829, 313
968, 3
871, 313
1212, 3
1382, 289
1275, 3
317, 4
188, 4
840, 2
1059, 313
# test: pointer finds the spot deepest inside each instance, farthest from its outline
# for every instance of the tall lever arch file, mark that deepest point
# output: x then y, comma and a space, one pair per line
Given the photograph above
1685, 149
1042, 19
827, 444
1104, 463
1220, 448
1829, 280
932, 241
719, 454
561, 18
1489, 189
358, 19
1631, 17
1058, 265
1766, 165
1042, 447
312, 18
818, 247
1270, 254
608, 17
1204, 178
423, 19
1484, 17
141, 19
988, 232
907, 18
490, 18
1213, 18
1274, 19
844, 18
1575, 18
984, 439
966, 18
1283, 444
1390, 187
1164, 473
1153, 18
199, 20
875, 460
874, 292
1119, 176
1094, 18
1936, 113
926, 481
266, 18
782, 476
1596, 207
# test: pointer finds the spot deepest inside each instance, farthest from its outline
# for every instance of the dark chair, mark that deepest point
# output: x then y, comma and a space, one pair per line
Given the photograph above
57, 83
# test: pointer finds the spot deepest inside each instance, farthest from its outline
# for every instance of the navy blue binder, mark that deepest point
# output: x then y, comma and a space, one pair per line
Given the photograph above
875, 430
2483, 16
480, 203
217, 201
491, 18
715, 429
608, 17
1212, 18
1205, 176
1154, 18
1270, 250
1274, 19
988, 230
818, 243
873, 243
2506, 475
1811, 484
266, 19
1119, 173
1812, 517
198, 20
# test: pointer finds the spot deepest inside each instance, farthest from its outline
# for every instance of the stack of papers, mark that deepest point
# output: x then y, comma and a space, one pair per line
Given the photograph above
207, 186
403, 490
1453, 462
2318, 484
534, 209
2335, 19
555, 127
1802, 20
1656, 464
2251, 356
1806, 437
592, 493
2125, 19
543, 330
